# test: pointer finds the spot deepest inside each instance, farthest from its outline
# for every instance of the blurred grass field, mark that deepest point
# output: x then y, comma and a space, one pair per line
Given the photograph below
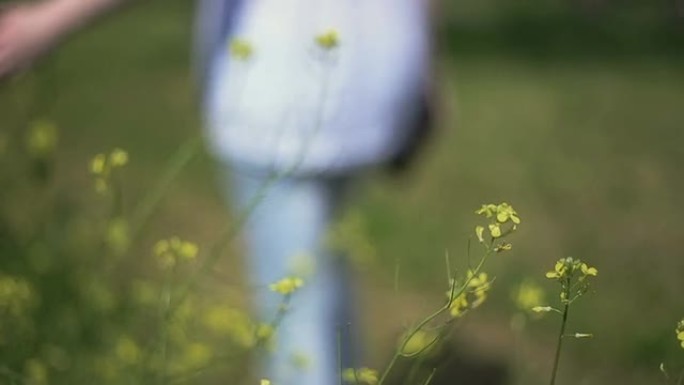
588, 147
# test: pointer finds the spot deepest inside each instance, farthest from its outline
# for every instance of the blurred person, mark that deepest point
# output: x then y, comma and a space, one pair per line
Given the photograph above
292, 118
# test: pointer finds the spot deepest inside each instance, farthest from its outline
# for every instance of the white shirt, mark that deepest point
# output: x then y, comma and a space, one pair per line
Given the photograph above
293, 104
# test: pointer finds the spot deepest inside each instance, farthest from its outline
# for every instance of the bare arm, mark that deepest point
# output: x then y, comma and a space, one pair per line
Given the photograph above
27, 31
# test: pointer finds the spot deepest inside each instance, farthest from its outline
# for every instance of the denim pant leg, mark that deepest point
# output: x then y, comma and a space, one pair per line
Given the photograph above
291, 223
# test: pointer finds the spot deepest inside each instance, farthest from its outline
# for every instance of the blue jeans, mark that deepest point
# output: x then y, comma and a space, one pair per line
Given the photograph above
286, 228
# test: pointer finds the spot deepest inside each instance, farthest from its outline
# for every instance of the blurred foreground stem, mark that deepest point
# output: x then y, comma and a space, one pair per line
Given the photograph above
177, 163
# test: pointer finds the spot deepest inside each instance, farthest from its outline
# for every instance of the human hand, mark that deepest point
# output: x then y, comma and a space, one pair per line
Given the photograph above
27, 31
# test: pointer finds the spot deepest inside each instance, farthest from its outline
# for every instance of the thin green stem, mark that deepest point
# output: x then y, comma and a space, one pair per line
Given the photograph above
560, 343
164, 318
389, 367
177, 163
231, 232
453, 295
259, 342
430, 377
224, 240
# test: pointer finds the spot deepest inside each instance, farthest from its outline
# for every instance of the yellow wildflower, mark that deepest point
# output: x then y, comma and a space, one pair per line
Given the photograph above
101, 167
287, 285
97, 164
505, 212
360, 376
118, 157
473, 296
479, 230
458, 306
505, 246
118, 238
559, 270
328, 40
588, 270
16, 295
528, 295
487, 210
188, 250
240, 49
264, 331
161, 247
495, 230
300, 361
170, 251
36, 372
197, 355
127, 350
42, 138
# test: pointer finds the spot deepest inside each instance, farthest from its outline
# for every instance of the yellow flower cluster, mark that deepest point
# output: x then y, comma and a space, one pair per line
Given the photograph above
566, 268
300, 361
170, 251
118, 237
528, 296
102, 166
265, 333
360, 376
473, 296
287, 285
503, 221
15, 295
232, 323
35, 372
127, 350
503, 212
680, 332
573, 276
42, 138
240, 49
349, 236
328, 40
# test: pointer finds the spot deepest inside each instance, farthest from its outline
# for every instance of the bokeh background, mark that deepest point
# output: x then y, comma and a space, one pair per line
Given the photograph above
572, 110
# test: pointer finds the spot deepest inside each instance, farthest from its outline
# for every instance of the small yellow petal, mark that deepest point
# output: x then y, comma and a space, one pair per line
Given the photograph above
118, 157
479, 230
97, 164
328, 40
188, 250
240, 49
161, 247
495, 230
